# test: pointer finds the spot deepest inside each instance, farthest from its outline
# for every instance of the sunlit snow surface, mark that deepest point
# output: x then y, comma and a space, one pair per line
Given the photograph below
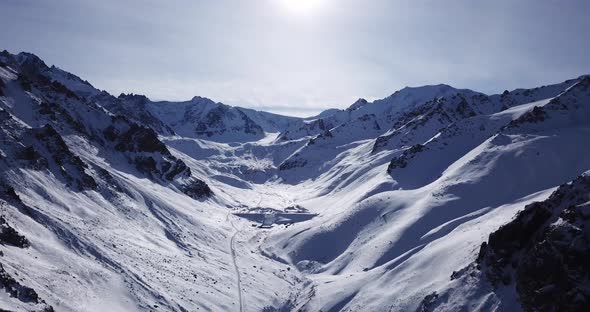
357, 238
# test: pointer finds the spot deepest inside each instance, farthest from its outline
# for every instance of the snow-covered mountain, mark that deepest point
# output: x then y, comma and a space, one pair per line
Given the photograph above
413, 202
198, 118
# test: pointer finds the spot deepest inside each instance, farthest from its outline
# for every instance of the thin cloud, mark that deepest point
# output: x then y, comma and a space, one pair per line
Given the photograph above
258, 55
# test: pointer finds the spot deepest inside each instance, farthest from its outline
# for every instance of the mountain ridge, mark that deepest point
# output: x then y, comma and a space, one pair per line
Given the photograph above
134, 205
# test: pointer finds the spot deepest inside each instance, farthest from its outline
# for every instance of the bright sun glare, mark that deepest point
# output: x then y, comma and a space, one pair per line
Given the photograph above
301, 6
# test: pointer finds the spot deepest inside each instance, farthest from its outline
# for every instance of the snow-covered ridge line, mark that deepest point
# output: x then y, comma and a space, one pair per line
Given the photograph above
127, 204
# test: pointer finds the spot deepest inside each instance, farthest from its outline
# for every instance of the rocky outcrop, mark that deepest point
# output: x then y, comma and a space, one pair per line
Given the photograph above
8, 193
423, 121
292, 163
402, 160
573, 99
196, 189
32, 159
358, 104
134, 107
136, 139
58, 110
59, 158
223, 119
326, 135
22, 293
302, 129
151, 157
428, 302
545, 251
537, 114
143, 148
2, 86
9, 236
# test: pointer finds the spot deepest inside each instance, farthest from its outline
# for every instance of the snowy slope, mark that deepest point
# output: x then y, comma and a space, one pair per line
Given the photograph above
127, 204
198, 118
538, 257
380, 114
394, 237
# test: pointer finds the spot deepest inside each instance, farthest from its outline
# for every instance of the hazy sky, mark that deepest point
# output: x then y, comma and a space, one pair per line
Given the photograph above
302, 56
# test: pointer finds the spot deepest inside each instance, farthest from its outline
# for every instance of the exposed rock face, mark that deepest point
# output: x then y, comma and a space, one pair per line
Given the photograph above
573, 99
305, 129
402, 160
568, 108
358, 104
32, 158
145, 150
536, 115
9, 236
222, 119
324, 136
59, 116
134, 107
199, 117
196, 189
56, 111
292, 163
427, 303
137, 139
431, 116
43, 149
545, 251
143, 238
22, 293
212, 123
7, 192
72, 167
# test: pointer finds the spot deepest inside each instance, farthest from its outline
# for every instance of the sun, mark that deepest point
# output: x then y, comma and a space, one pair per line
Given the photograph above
301, 6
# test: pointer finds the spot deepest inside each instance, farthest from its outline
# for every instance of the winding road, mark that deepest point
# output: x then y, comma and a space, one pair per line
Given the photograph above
233, 256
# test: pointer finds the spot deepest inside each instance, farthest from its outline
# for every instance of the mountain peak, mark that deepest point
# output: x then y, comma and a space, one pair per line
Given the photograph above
432, 89
29, 59
200, 99
133, 96
358, 104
